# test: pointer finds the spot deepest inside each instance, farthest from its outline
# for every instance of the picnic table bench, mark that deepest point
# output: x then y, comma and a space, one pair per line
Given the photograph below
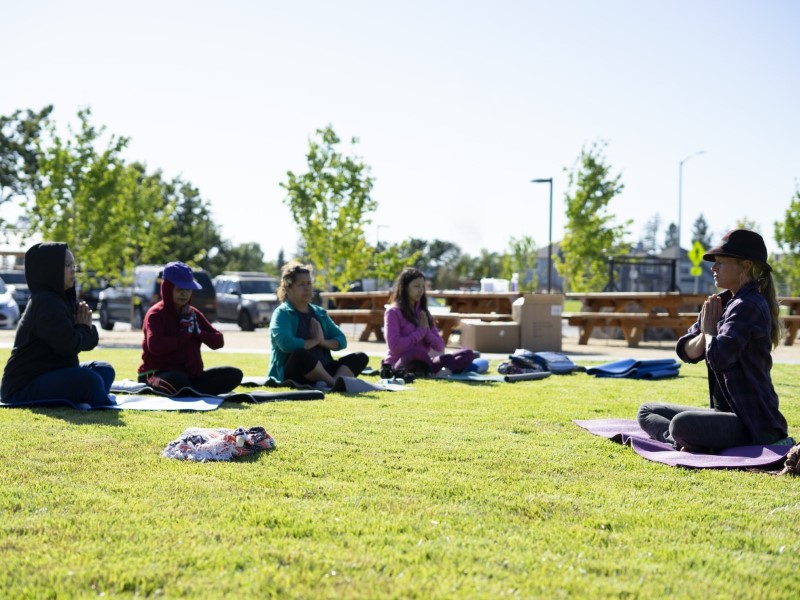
791, 321
367, 308
372, 319
791, 324
632, 324
612, 309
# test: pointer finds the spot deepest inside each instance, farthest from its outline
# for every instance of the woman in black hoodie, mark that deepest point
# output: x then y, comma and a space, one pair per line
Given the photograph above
54, 328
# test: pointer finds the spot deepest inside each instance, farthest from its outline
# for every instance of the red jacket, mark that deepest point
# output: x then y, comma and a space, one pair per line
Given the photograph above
165, 347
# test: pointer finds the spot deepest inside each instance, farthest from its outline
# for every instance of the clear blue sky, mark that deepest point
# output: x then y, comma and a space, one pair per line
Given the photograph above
458, 104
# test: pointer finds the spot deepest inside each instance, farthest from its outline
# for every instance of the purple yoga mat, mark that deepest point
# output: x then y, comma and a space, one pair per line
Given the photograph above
626, 431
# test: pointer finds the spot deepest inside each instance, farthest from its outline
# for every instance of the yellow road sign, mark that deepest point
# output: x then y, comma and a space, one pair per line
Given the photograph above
696, 254
696, 271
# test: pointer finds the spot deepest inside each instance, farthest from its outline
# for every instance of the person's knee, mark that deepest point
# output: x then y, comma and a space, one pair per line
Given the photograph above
96, 389
682, 430
359, 362
645, 410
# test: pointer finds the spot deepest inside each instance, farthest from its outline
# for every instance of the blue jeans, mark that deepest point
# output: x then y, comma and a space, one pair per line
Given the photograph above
87, 384
696, 428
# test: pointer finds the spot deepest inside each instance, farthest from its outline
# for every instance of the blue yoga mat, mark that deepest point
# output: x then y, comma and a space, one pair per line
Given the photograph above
658, 368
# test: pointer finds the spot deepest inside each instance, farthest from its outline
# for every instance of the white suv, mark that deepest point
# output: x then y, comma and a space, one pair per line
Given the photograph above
245, 298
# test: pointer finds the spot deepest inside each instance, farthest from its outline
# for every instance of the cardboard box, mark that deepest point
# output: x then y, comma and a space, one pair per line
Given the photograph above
491, 336
539, 318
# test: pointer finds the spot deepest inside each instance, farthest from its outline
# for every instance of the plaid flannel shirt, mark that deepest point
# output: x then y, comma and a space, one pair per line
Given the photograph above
739, 362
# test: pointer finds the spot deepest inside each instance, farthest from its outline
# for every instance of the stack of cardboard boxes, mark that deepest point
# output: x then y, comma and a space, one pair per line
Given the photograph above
536, 327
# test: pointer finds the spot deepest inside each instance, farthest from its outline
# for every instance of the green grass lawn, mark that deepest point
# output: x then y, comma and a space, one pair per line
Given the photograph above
449, 490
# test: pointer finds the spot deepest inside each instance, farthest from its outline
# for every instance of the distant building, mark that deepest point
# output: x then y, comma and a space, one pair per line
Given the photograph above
556, 281
687, 283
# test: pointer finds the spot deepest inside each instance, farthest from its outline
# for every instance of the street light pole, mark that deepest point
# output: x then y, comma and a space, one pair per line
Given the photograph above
549, 234
680, 205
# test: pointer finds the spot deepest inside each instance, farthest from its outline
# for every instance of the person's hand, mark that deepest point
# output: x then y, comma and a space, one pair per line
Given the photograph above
188, 322
316, 333
423, 320
83, 314
710, 315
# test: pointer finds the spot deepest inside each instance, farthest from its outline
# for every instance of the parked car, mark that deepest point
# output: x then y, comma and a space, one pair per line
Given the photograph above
114, 303
15, 279
246, 299
9, 308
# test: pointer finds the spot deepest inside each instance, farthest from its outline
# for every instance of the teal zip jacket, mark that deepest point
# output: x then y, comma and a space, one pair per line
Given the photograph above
284, 340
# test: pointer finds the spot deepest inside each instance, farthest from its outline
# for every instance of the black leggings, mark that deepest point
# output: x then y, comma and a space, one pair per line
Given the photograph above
213, 381
302, 361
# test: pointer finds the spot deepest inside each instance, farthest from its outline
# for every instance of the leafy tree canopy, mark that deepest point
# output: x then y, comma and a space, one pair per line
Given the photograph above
590, 235
19, 152
330, 204
650, 234
110, 214
787, 236
671, 236
701, 232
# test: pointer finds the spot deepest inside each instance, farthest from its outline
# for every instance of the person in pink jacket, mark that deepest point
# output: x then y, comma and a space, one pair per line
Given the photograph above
414, 343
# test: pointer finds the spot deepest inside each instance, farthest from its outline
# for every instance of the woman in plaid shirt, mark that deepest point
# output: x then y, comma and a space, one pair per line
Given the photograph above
735, 333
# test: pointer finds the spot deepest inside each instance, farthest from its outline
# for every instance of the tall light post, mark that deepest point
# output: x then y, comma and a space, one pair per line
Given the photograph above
680, 206
549, 234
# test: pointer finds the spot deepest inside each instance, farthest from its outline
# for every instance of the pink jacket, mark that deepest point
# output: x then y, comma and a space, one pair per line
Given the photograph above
403, 336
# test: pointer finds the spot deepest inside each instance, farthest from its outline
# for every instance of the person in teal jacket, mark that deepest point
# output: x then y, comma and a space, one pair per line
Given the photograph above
303, 335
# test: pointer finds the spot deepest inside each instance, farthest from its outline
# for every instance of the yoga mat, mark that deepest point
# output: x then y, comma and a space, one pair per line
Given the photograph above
350, 385
274, 396
151, 402
354, 385
472, 376
631, 368
132, 402
626, 431
134, 387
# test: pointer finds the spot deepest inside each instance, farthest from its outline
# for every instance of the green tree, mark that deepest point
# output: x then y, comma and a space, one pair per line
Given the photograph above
486, 264
787, 236
745, 223
194, 237
244, 257
19, 152
701, 232
281, 260
590, 236
671, 236
110, 214
521, 258
391, 259
330, 204
650, 234
438, 259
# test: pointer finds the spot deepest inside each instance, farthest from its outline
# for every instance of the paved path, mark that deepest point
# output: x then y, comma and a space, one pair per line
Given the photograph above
258, 342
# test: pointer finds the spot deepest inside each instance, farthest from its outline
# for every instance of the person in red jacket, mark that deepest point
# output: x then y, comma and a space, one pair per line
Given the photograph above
174, 331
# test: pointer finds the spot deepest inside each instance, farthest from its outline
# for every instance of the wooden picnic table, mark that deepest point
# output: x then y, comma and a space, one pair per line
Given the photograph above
359, 307
634, 312
791, 321
671, 303
368, 308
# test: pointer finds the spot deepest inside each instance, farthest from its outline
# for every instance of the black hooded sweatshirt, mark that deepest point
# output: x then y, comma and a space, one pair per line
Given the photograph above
47, 336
